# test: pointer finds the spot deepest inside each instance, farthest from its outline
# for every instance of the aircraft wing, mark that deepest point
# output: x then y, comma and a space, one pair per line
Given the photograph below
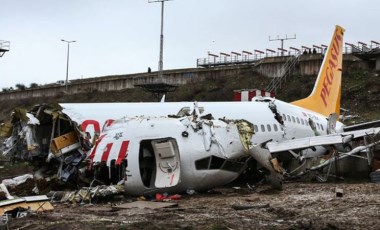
365, 125
308, 142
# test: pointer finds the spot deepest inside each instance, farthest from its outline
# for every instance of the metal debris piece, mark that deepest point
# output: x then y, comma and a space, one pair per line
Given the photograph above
46, 136
339, 192
86, 194
31, 203
14, 182
146, 204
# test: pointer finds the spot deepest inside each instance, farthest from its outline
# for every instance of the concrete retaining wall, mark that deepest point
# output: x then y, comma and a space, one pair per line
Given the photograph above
309, 65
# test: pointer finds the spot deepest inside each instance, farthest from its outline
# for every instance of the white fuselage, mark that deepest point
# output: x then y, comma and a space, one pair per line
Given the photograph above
295, 124
258, 113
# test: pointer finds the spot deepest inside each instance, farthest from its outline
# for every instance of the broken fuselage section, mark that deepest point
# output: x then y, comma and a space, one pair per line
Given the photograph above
48, 139
172, 154
146, 154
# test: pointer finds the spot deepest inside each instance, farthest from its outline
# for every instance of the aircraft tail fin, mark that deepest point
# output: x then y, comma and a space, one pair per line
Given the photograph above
325, 97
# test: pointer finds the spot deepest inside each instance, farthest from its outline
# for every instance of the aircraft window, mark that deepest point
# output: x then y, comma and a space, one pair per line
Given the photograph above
256, 128
289, 118
298, 120
306, 122
202, 164
216, 162
275, 128
302, 121
284, 116
322, 127
293, 119
318, 126
233, 166
262, 128
268, 127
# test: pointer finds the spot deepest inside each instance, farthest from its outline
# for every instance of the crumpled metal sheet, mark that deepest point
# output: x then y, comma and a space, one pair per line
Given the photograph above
85, 194
31, 134
11, 183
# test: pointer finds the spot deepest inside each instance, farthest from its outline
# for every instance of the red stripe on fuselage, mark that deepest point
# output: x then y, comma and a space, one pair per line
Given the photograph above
96, 147
106, 152
123, 152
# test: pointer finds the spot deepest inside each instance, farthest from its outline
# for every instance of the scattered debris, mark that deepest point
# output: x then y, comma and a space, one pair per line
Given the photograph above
87, 194
145, 204
166, 197
46, 137
339, 192
17, 181
30, 203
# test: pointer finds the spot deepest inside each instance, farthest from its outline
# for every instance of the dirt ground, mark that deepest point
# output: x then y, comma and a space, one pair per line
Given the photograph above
297, 206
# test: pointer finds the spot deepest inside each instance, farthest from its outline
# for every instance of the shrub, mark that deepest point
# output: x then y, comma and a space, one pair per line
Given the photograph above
20, 86
33, 85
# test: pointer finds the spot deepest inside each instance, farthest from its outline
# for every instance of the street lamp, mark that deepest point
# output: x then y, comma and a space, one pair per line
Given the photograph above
67, 65
160, 62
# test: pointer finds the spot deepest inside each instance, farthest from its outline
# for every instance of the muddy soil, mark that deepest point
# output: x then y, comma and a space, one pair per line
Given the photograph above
297, 206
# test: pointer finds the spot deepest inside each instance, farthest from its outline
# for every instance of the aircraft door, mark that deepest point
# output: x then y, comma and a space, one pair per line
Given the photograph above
167, 162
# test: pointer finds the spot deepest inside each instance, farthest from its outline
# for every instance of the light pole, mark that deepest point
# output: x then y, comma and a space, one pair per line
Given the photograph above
67, 64
160, 62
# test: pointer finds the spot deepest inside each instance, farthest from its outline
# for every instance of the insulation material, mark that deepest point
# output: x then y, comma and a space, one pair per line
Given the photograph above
6, 129
64, 140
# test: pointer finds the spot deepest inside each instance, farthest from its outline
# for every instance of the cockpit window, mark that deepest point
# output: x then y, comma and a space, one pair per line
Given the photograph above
202, 164
216, 162
233, 166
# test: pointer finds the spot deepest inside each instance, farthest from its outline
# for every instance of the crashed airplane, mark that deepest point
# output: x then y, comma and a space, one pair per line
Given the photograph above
147, 154
138, 145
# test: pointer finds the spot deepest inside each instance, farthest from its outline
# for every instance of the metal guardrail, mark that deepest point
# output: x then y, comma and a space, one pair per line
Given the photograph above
234, 59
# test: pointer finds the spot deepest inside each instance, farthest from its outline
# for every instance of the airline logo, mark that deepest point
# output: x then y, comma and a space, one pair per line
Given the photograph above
330, 72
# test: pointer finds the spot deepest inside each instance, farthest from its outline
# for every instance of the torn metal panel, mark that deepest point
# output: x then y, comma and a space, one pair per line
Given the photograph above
7, 205
266, 160
32, 203
44, 135
17, 181
86, 194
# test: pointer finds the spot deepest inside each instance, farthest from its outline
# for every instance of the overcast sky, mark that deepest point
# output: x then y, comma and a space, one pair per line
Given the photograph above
122, 36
